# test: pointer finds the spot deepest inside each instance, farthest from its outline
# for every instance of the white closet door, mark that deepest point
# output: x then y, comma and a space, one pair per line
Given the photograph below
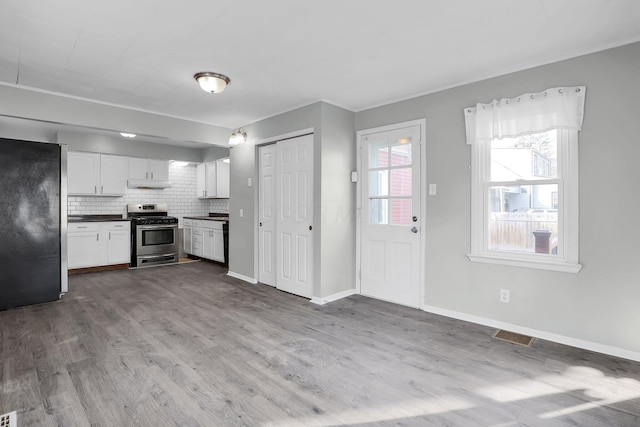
294, 213
266, 215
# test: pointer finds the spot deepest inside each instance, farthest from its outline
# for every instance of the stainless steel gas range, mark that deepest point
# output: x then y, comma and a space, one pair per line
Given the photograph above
154, 235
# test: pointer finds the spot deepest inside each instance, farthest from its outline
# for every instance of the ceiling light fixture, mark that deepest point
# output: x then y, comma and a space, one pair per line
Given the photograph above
237, 137
128, 135
212, 82
179, 163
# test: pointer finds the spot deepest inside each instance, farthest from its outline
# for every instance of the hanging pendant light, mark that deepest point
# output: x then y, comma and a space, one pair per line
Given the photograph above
212, 82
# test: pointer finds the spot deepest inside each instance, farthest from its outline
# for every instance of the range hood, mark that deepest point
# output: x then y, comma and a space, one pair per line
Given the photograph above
148, 183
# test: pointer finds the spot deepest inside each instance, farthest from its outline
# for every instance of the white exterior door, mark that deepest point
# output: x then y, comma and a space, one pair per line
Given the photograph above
266, 214
294, 215
390, 246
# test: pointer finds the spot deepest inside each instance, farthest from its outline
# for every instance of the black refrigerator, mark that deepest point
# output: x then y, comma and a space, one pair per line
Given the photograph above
33, 223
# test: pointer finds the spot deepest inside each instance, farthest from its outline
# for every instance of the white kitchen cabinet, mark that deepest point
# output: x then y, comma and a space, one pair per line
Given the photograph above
94, 174
93, 244
118, 242
206, 239
83, 244
113, 174
156, 170
213, 180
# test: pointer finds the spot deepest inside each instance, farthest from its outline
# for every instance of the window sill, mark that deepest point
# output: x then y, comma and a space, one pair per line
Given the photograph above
564, 267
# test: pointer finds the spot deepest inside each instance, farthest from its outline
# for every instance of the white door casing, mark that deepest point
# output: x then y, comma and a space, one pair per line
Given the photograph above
266, 214
390, 244
294, 215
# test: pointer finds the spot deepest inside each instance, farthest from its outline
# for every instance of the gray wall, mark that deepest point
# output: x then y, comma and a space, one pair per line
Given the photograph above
29, 104
334, 201
337, 201
600, 303
243, 166
214, 153
110, 145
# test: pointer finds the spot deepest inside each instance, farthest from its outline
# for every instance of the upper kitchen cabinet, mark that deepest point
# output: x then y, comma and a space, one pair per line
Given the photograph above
213, 180
156, 170
93, 174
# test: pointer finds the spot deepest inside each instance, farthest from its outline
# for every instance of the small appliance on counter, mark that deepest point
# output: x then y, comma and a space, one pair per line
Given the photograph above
154, 235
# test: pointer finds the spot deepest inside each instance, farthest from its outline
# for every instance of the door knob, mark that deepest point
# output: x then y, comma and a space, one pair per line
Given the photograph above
310, 228
414, 229
260, 224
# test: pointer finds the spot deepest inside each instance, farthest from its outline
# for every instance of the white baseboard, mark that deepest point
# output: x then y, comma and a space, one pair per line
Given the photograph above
332, 298
561, 339
242, 277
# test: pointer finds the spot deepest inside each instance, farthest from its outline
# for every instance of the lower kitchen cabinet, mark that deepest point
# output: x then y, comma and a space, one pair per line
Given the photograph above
204, 238
93, 244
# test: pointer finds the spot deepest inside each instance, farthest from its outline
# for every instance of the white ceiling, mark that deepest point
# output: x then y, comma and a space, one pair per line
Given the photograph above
283, 54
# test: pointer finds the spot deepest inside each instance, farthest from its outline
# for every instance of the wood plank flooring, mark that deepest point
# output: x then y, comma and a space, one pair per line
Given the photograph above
186, 345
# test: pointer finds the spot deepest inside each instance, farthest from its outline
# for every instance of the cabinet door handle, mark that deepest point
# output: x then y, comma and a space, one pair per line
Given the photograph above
97, 237
146, 175
84, 226
101, 189
151, 175
109, 235
95, 189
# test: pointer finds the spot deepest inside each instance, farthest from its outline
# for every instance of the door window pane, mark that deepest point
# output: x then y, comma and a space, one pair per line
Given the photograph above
523, 218
401, 182
379, 183
401, 211
378, 211
379, 154
401, 152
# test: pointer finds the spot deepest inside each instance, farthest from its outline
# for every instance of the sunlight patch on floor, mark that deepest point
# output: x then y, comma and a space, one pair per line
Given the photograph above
581, 381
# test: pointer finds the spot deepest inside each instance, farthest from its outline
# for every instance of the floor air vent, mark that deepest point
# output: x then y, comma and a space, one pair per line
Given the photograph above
9, 420
514, 338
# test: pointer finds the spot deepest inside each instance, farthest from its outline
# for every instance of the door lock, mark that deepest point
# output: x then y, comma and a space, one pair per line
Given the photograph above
414, 229
414, 219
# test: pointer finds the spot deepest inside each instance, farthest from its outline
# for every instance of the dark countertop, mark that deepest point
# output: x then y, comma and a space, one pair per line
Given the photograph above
209, 218
95, 218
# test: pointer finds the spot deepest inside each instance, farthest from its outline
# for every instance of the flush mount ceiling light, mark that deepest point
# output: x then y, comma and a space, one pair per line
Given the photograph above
237, 137
212, 82
128, 135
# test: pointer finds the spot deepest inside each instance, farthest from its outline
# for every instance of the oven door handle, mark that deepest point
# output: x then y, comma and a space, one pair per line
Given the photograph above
156, 226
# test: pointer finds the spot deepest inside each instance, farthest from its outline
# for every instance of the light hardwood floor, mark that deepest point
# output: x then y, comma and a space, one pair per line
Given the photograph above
186, 345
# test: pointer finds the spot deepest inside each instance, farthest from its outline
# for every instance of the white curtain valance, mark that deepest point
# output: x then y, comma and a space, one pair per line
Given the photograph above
555, 108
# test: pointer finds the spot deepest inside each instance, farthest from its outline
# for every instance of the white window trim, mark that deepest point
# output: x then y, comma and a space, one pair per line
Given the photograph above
567, 258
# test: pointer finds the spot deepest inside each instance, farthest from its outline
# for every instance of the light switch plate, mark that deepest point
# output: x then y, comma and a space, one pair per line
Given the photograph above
248, 182
241, 213
432, 189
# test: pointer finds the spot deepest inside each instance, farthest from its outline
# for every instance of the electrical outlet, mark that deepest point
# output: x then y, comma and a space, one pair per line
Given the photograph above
504, 295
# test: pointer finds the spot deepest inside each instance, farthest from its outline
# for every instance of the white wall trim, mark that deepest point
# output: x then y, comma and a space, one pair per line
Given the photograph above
549, 336
242, 277
332, 298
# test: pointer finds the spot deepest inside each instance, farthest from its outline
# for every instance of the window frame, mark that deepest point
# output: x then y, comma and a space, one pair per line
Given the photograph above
568, 219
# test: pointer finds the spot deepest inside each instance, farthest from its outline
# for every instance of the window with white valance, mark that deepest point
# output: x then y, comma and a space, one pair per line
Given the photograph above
525, 179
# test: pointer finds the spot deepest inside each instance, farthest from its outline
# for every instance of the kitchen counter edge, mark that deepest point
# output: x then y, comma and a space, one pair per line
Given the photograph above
95, 218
